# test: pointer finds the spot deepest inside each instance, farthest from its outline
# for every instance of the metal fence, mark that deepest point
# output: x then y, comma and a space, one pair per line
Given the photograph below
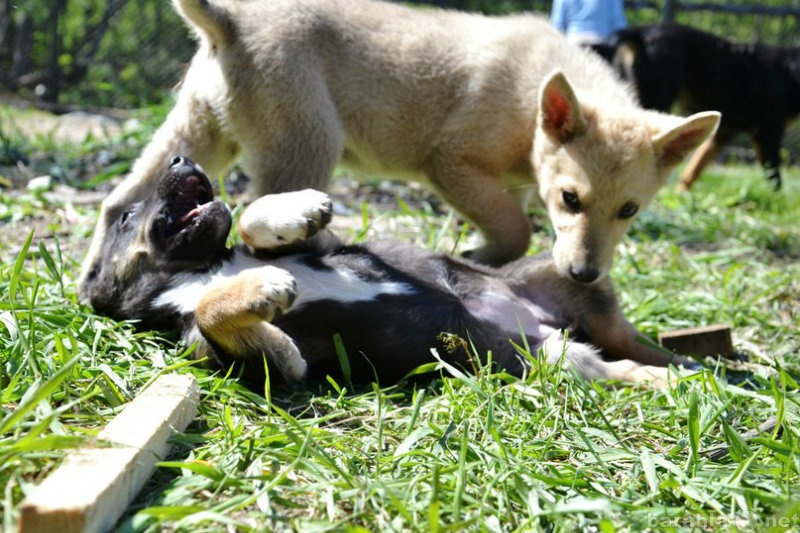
113, 53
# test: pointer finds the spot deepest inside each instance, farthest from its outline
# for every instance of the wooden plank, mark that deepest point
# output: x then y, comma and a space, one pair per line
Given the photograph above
93, 487
703, 341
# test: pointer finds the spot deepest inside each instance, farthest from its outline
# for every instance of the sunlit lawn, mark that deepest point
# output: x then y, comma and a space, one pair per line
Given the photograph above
550, 452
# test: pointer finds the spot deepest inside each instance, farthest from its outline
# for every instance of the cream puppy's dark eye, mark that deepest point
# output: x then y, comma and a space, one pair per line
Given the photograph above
571, 201
627, 210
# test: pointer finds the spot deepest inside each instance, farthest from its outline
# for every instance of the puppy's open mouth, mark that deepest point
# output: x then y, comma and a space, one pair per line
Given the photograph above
190, 225
188, 203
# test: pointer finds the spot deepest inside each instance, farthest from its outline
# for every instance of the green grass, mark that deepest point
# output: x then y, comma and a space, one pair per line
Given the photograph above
550, 452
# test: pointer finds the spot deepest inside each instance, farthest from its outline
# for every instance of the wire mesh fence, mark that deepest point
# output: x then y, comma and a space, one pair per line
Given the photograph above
112, 53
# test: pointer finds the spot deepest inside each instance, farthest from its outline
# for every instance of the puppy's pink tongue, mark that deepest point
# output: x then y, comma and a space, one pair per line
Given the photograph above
191, 214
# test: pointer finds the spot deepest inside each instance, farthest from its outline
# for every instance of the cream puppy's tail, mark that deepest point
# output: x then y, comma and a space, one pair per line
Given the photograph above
209, 19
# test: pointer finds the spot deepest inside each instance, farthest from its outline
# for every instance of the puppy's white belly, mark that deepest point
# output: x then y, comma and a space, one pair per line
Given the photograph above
187, 288
343, 286
339, 285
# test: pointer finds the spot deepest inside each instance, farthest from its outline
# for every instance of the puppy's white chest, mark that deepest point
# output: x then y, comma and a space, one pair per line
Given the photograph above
341, 285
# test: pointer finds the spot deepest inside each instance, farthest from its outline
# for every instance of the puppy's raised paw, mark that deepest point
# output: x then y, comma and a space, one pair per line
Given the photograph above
279, 219
274, 291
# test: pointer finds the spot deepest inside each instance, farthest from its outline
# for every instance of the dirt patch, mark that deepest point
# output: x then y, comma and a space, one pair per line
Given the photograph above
72, 126
36, 154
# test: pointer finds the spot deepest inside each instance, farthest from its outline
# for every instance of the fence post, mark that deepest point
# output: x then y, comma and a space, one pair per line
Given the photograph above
670, 6
53, 80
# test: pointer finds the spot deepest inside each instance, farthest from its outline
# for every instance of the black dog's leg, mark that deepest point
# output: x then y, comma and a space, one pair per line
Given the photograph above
768, 139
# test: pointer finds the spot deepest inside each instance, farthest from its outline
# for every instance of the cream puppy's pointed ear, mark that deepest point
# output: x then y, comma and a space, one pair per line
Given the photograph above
559, 111
673, 145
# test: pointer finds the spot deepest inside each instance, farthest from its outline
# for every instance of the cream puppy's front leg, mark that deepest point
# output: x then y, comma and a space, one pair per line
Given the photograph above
277, 220
234, 315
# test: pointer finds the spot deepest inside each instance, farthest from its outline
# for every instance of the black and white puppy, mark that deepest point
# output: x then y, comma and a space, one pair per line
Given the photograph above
293, 286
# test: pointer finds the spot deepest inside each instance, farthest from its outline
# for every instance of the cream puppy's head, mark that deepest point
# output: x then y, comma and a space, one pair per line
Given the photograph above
597, 165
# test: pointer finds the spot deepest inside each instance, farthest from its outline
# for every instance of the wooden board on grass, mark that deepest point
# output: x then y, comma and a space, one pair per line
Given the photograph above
703, 341
93, 487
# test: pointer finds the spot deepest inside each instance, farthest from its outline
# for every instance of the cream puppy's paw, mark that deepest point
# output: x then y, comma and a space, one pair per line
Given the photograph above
279, 219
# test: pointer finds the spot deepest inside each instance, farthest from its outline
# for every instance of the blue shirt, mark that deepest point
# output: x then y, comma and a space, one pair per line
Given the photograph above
592, 19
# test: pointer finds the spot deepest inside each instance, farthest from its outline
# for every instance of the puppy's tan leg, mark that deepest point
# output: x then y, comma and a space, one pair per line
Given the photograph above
595, 309
620, 339
234, 315
482, 198
704, 154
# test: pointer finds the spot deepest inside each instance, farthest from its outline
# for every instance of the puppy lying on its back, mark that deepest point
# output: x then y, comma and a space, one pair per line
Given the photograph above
294, 286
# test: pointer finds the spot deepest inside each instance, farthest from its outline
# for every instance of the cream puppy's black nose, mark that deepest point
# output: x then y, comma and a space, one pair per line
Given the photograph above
583, 274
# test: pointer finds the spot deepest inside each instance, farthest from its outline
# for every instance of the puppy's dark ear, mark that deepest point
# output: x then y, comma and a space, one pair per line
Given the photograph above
559, 110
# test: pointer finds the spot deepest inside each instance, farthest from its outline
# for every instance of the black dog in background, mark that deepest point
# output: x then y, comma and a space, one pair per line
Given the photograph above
756, 87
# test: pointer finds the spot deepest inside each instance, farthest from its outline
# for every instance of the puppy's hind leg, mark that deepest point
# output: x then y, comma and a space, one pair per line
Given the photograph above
234, 315
607, 328
589, 363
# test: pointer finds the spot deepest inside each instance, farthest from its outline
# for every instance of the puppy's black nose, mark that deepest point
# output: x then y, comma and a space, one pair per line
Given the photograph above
583, 274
